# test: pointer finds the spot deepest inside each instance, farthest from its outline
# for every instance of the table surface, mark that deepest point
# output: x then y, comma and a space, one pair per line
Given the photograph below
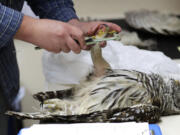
170, 125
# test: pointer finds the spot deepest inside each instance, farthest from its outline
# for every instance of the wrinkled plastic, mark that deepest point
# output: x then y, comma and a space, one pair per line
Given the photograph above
71, 68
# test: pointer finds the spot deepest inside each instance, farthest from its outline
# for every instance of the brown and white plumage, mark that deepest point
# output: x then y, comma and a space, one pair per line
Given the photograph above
116, 89
110, 95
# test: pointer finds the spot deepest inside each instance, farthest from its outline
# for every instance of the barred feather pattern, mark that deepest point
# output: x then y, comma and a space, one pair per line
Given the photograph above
140, 113
120, 92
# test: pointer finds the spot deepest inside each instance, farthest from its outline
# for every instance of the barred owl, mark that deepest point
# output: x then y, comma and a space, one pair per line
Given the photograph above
110, 95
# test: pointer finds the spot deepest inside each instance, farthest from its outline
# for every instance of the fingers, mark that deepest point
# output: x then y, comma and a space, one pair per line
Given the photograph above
93, 30
102, 25
73, 40
59, 50
113, 26
60, 47
103, 44
78, 36
73, 45
65, 48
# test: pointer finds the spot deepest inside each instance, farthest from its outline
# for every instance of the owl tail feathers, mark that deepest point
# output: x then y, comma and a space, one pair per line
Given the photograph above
139, 113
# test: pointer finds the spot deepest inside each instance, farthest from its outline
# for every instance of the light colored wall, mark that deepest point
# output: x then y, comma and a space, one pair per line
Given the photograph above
30, 60
116, 8
31, 76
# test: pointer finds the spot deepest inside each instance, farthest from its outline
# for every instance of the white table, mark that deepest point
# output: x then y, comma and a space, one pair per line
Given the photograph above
170, 125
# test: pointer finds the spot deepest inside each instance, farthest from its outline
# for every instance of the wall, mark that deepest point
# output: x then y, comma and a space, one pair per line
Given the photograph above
31, 75
116, 8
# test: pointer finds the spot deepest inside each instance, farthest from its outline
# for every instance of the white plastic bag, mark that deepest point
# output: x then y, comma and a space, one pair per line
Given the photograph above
71, 68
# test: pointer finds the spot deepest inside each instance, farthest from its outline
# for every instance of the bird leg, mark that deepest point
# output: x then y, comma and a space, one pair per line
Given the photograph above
100, 64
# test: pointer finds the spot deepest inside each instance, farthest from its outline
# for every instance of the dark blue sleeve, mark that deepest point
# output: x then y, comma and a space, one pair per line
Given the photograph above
10, 21
62, 10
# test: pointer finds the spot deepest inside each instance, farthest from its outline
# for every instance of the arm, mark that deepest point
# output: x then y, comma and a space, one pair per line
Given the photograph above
54, 9
52, 35
63, 10
10, 21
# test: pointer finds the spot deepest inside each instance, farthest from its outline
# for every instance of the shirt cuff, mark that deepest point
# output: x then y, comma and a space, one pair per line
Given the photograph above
62, 10
10, 21
63, 14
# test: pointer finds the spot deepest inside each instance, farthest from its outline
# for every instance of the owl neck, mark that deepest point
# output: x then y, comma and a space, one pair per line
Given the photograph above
100, 64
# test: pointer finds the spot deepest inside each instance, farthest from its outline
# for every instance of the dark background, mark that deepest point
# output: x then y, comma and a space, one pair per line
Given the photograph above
167, 44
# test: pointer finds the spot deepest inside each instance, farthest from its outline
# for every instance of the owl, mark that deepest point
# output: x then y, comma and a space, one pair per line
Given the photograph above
109, 95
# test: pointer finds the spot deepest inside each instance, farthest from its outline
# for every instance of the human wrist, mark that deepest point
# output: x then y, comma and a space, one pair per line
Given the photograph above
81, 25
75, 22
27, 29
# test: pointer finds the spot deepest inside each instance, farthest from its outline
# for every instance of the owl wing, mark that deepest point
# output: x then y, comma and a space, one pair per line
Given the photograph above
138, 113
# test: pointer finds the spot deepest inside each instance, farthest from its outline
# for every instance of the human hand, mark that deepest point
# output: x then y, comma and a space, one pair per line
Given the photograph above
91, 28
54, 36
